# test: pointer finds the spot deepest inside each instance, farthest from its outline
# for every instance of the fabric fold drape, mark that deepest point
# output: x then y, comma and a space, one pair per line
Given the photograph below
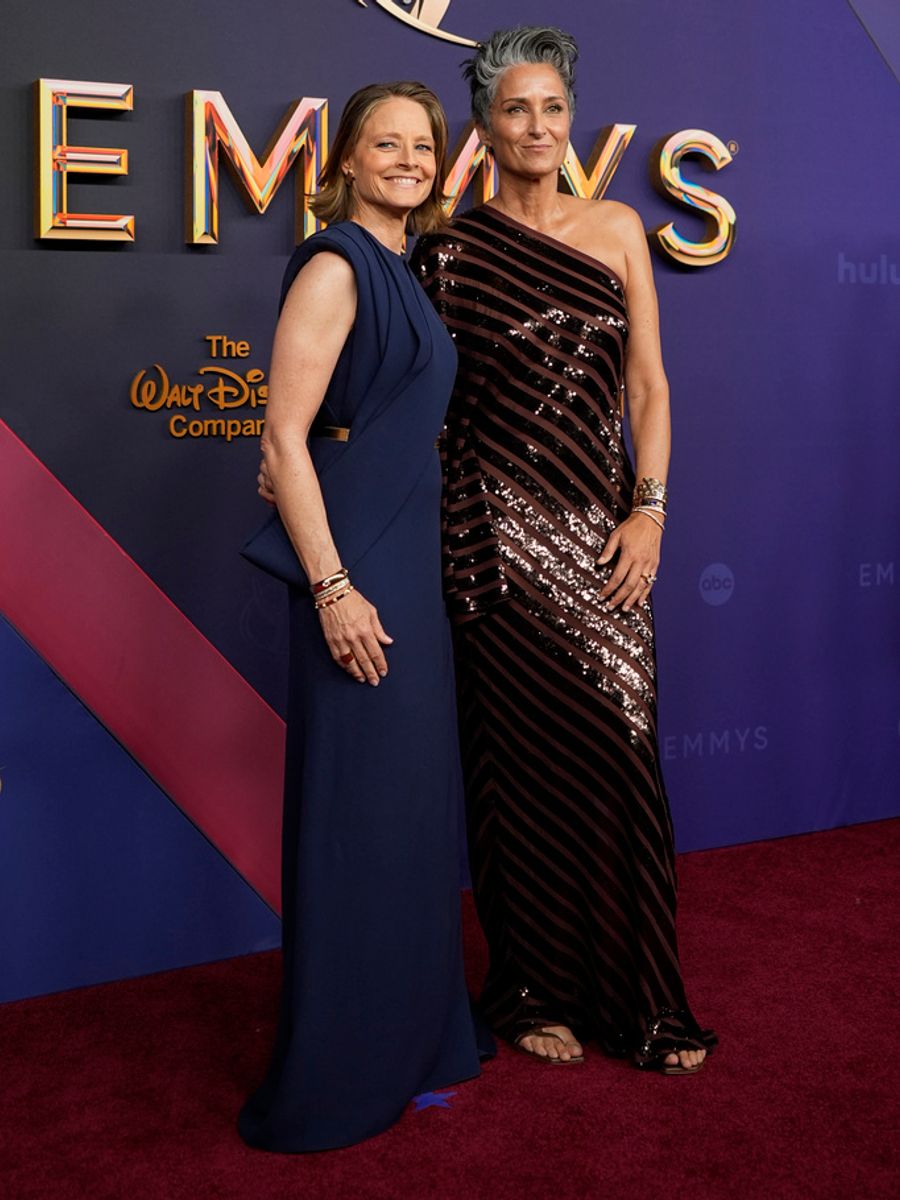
370, 393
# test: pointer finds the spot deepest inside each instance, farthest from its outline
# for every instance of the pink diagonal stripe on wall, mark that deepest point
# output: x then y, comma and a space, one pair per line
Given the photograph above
158, 685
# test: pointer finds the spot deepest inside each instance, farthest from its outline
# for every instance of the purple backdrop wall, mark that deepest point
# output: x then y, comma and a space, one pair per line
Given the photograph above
778, 598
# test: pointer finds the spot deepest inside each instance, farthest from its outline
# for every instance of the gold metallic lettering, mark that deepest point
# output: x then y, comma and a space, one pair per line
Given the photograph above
604, 159
147, 393
470, 158
55, 159
210, 125
667, 177
215, 427
221, 346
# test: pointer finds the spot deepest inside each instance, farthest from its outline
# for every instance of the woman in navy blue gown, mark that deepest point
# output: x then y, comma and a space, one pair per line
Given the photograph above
374, 1008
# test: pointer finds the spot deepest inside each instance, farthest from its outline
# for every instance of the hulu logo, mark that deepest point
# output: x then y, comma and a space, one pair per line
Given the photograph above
873, 270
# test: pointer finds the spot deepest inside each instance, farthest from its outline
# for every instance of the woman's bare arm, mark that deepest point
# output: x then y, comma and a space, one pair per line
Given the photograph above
316, 318
638, 538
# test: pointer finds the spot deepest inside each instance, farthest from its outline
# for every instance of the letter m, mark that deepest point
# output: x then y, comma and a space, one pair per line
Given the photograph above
693, 745
211, 127
719, 743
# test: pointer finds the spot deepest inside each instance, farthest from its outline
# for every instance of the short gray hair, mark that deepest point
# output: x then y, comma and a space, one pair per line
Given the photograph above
526, 44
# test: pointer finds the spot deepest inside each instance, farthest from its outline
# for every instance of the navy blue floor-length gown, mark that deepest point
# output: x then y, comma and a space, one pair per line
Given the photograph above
374, 1008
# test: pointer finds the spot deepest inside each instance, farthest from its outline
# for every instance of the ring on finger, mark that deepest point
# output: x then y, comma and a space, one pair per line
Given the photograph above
347, 659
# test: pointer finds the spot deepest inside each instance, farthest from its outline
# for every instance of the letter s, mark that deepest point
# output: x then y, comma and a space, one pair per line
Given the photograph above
667, 177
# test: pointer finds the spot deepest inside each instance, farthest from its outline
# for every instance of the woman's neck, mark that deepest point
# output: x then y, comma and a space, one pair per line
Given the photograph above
533, 202
388, 227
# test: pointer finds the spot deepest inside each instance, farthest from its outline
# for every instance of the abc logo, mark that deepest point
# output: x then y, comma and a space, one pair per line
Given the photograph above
717, 583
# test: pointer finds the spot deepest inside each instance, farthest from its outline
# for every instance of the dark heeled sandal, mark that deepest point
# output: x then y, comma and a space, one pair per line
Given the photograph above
671, 1031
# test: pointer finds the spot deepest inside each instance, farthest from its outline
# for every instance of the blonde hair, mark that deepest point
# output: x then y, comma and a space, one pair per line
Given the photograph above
334, 199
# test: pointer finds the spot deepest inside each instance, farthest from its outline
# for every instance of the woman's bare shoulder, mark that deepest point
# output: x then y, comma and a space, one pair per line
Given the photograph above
327, 268
325, 278
611, 215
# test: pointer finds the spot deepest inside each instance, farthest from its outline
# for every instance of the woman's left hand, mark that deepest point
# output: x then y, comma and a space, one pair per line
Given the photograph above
638, 541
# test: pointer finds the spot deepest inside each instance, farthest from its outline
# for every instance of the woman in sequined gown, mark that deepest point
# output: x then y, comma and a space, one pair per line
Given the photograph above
551, 303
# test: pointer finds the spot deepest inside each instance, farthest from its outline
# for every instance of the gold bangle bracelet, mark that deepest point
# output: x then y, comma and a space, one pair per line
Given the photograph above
335, 587
326, 603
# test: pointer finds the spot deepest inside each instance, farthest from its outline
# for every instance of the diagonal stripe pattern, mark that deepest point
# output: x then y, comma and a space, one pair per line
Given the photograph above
135, 660
570, 835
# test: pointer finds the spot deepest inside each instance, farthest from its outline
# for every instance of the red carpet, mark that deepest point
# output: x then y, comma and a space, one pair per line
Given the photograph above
130, 1090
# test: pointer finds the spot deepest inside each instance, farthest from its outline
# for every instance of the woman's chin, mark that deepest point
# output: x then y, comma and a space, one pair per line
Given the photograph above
533, 167
403, 204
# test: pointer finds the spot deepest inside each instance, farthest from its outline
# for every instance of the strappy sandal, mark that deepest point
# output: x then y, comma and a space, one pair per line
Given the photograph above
677, 1069
543, 1031
674, 1030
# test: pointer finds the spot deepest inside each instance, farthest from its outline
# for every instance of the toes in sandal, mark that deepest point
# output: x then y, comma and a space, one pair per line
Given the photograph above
542, 1031
677, 1068
671, 1031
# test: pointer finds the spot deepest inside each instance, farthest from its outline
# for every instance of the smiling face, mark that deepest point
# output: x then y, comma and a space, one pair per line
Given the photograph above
530, 121
393, 161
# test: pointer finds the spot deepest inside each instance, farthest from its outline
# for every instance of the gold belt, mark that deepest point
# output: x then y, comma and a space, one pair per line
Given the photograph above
340, 433
336, 433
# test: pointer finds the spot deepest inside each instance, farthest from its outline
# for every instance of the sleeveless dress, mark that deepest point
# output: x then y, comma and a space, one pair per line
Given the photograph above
570, 837
374, 1008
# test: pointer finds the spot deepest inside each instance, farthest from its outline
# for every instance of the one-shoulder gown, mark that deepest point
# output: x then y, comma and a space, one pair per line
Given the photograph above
374, 1008
570, 836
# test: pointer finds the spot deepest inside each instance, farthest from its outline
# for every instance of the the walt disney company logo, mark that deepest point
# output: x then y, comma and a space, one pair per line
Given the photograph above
426, 15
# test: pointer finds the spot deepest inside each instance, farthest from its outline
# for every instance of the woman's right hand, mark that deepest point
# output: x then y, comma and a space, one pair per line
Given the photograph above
355, 637
264, 483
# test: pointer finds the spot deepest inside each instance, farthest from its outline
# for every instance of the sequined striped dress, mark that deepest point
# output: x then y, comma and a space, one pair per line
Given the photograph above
570, 836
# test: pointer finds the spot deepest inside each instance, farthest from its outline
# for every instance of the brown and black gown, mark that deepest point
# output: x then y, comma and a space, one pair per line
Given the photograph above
570, 837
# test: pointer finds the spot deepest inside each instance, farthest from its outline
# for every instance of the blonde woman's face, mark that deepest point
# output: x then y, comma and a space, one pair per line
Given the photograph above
393, 162
530, 120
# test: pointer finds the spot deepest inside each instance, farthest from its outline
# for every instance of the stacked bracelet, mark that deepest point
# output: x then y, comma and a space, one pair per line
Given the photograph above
332, 598
650, 490
331, 589
329, 581
651, 498
649, 513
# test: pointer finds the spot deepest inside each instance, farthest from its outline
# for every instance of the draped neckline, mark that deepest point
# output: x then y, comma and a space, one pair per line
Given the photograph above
539, 236
398, 254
